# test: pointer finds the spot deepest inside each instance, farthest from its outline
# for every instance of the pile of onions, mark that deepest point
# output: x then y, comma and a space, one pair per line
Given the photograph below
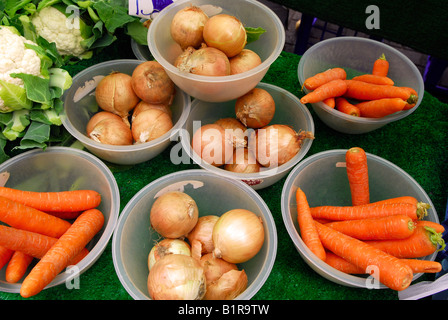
165, 247
213, 144
256, 108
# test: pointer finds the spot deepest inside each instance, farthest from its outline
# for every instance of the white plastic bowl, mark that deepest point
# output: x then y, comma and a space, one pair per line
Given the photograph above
325, 182
216, 89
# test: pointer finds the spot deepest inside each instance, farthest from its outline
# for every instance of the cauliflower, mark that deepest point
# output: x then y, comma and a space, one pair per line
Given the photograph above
52, 25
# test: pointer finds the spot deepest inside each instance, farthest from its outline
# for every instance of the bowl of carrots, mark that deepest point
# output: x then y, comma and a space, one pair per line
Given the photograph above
354, 227
59, 210
357, 85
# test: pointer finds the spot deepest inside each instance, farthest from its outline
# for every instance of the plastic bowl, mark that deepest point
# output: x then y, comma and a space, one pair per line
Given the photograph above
80, 105
59, 169
288, 110
356, 56
134, 238
324, 181
216, 89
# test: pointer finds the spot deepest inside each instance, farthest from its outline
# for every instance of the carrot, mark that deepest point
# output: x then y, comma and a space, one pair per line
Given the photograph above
307, 226
392, 272
424, 241
17, 266
381, 66
27, 218
70, 244
380, 107
382, 228
410, 105
368, 91
74, 200
330, 102
436, 226
375, 79
346, 107
421, 207
342, 265
363, 212
332, 89
5, 256
423, 266
313, 82
358, 175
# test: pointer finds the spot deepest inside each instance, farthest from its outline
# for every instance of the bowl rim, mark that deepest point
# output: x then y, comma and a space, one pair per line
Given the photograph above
109, 228
309, 257
362, 120
186, 145
211, 79
123, 149
184, 174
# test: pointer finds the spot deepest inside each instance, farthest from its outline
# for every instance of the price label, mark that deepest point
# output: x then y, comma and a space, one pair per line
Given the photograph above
145, 8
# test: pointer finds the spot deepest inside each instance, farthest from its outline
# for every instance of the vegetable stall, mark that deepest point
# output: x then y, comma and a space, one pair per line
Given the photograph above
418, 144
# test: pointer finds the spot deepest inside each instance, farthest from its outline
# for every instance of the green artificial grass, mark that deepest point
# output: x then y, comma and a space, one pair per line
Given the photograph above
418, 144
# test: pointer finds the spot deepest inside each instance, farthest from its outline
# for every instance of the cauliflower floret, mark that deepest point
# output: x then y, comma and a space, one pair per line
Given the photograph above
52, 25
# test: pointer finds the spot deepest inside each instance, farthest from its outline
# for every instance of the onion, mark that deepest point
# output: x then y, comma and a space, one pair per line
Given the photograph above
187, 27
238, 235
114, 93
213, 144
166, 247
206, 61
150, 124
174, 214
244, 61
142, 105
176, 277
112, 131
237, 130
214, 267
151, 83
201, 235
277, 144
226, 33
244, 161
255, 109
228, 287
97, 117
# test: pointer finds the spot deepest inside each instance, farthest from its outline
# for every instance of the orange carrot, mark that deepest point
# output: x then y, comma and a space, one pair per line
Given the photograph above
17, 266
70, 244
363, 212
5, 256
330, 102
307, 226
410, 105
424, 241
313, 82
358, 175
423, 266
382, 228
375, 79
332, 89
381, 66
75, 200
342, 265
436, 226
380, 107
346, 107
421, 207
27, 218
392, 272
368, 91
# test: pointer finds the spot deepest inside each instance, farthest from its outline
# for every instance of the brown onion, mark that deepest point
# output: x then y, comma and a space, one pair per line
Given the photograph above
255, 109
166, 247
201, 235
244, 61
244, 161
229, 286
187, 27
238, 236
214, 267
97, 117
176, 277
150, 124
277, 144
206, 61
112, 131
151, 83
174, 214
237, 130
142, 105
213, 144
114, 93
226, 33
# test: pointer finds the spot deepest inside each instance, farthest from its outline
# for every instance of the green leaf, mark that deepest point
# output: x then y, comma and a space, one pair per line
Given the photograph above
253, 34
138, 32
12, 6
35, 137
37, 88
14, 97
113, 16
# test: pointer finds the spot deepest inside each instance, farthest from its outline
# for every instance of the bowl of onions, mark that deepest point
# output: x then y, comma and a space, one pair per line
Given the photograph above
111, 111
257, 138
323, 179
214, 57
192, 227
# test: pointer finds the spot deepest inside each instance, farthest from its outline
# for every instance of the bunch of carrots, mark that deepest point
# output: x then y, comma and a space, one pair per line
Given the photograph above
371, 95
52, 227
388, 235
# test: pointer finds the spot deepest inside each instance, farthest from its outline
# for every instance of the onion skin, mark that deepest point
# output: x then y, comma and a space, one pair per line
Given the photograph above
142, 105
166, 247
151, 83
238, 236
237, 130
187, 27
255, 109
213, 144
202, 232
150, 124
97, 117
244, 61
206, 61
112, 131
226, 33
174, 214
229, 286
214, 267
244, 161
